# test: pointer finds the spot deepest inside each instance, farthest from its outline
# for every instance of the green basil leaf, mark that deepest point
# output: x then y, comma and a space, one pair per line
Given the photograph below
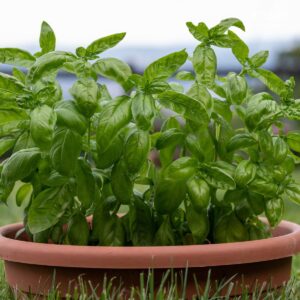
236, 88
271, 80
6, 144
114, 69
113, 117
241, 141
86, 94
48, 93
136, 150
49, 64
239, 49
43, 120
230, 229
24, 141
69, 116
20, 165
169, 138
263, 187
23, 194
186, 76
65, 150
16, 57
225, 24
157, 86
47, 38
47, 208
293, 192
280, 150
164, 67
199, 32
121, 184
205, 64
274, 211
165, 235
19, 75
259, 58
217, 177
10, 88
188, 107
78, 230
86, 184
104, 43
245, 172
293, 140
141, 223
222, 108
143, 110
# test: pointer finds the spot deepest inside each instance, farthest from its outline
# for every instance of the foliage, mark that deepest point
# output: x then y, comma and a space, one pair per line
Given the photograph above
91, 155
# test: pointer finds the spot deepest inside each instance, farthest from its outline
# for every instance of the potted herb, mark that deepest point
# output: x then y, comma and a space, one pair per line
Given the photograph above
90, 156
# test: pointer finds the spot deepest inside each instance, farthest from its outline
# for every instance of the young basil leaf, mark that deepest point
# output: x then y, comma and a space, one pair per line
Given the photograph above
78, 230
293, 192
199, 193
69, 116
164, 235
199, 32
280, 150
164, 67
16, 57
217, 177
241, 141
188, 107
47, 38
121, 184
141, 223
244, 173
104, 43
6, 144
169, 138
143, 110
10, 88
239, 49
43, 120
49, 64
65, 150
236, 88
85, 183
186, 76
86, 94
136, 150
224, 25
293, 140
23, 194
271, 80
157, 86
47, 208
20, 165
205, 64
274, 211
49, 93
113, 117
230, 229
263, 187
259, 58
114, 69
198, 223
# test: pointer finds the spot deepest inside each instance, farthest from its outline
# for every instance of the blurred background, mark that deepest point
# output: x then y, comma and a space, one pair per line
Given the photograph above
154, 29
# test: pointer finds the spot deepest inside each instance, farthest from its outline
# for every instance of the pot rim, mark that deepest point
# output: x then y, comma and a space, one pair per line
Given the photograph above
285, 243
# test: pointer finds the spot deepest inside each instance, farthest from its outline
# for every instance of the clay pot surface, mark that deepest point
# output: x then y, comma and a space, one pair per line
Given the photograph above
30, 266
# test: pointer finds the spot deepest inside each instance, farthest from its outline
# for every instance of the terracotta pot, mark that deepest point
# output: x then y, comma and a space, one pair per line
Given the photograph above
30, 266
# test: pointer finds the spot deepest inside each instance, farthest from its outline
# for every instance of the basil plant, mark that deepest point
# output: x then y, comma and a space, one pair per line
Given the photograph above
200, 179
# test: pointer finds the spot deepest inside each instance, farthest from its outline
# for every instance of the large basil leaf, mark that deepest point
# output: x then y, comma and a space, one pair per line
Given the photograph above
16, 57
65, 150
164, 67
20, 165
114, 69
49, 64
47, 208
199, 32
225, 24
104, 43
47, 38
113, 117
205, 64
43, 120
188, 107
241, 141
10, 88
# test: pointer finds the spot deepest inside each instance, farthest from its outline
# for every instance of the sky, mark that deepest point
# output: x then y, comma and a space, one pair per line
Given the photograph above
147, 23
